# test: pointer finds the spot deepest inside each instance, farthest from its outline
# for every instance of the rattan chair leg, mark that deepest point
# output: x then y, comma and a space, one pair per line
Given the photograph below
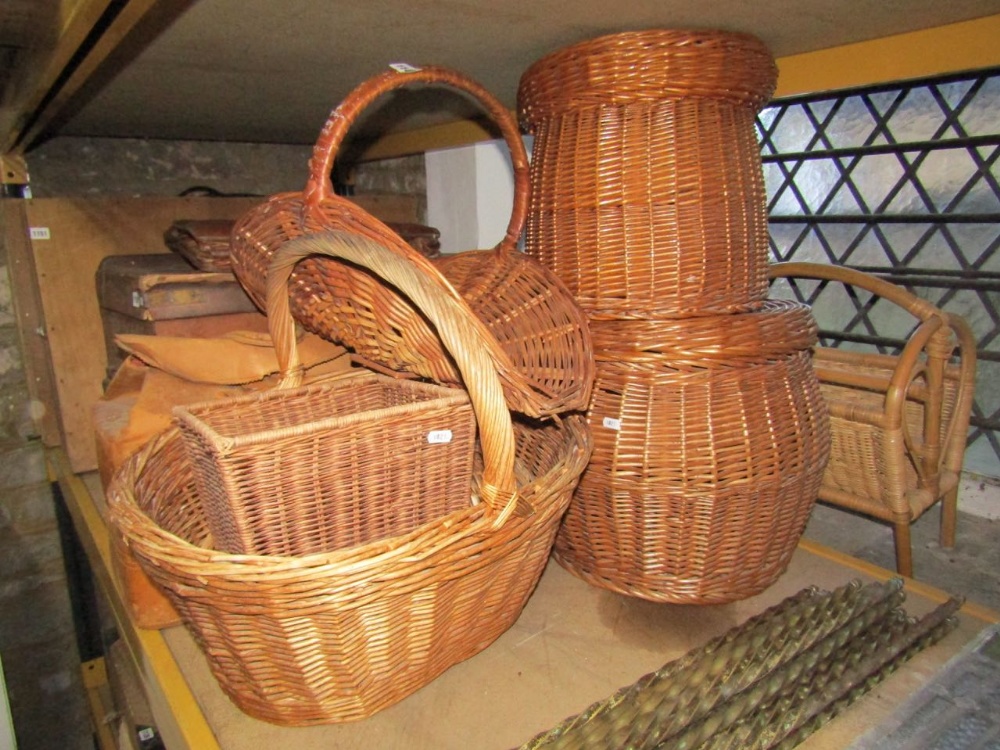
949, 518
904, 554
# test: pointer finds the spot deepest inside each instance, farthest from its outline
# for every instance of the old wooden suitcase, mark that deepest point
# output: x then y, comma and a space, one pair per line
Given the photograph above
161, 294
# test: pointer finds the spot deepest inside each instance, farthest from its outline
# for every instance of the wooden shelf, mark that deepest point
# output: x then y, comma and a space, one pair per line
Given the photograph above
573, 644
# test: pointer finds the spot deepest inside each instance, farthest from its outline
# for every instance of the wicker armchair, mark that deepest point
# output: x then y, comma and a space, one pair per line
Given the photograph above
898, 422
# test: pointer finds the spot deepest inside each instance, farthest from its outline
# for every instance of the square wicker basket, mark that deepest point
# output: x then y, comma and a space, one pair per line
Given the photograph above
329, 465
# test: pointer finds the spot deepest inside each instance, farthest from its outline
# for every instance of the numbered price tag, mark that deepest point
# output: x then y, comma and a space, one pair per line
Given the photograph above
439, 436
612, 424
401, 67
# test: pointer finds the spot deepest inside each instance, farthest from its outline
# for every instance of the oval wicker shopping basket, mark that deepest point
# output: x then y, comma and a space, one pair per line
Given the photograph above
647, 189
535, 333
337, 636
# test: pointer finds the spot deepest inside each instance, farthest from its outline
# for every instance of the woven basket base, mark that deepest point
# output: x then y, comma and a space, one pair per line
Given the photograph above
657, 541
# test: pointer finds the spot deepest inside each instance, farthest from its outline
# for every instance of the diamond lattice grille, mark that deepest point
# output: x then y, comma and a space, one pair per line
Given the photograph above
902, 181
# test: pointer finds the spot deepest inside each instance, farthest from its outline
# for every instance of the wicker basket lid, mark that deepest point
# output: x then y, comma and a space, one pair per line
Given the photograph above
763, 331
648, 66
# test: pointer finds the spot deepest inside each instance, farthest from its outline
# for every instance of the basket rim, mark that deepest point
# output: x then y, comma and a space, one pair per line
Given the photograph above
643, 49
775, 328
194, 415
437, 534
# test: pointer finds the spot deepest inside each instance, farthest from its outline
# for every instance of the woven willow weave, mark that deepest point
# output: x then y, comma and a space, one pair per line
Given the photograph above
647, 188
337, 636
532, 328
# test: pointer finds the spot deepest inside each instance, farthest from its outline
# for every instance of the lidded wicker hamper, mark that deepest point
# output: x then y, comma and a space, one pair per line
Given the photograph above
532, 328
337, 636
647, 189
704, 469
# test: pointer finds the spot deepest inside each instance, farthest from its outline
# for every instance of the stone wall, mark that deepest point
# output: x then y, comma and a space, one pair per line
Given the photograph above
37, 639
128, 166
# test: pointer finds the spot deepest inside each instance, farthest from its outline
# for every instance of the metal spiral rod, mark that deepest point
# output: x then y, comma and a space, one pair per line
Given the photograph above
688, 690
845, 674
935, 632
579, 730
788, 674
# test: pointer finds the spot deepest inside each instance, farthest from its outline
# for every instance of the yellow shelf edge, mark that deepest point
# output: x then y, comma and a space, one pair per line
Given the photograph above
969, 45
934, 594
156, 661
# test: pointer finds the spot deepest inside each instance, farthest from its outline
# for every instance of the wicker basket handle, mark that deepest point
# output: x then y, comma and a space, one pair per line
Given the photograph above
319, 187
459, 335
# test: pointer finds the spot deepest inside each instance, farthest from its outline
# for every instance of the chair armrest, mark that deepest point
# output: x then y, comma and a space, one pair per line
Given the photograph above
919, 308
957, 434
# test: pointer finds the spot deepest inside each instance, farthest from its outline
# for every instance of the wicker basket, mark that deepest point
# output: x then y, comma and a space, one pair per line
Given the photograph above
648, 195
338, 636
536, 335
281, 472
704, 468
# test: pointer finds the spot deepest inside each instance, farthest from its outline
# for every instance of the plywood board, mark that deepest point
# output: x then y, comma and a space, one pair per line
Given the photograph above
572, 645
389, 206
42, 399
71, 236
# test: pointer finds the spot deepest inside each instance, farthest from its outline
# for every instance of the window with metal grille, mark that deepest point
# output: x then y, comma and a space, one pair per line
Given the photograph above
900, 181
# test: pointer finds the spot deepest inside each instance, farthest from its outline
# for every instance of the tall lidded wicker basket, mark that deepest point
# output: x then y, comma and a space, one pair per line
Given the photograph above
647, 192
648, 201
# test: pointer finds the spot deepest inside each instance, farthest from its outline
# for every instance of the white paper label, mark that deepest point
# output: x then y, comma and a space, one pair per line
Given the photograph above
39, 233
611, 423
402, 67
439, 436
146, 734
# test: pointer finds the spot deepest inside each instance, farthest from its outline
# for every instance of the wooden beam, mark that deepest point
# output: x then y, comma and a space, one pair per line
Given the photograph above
13, 170
90, 57
417, 141
967, 45
39, 70
27, 301
100, 702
